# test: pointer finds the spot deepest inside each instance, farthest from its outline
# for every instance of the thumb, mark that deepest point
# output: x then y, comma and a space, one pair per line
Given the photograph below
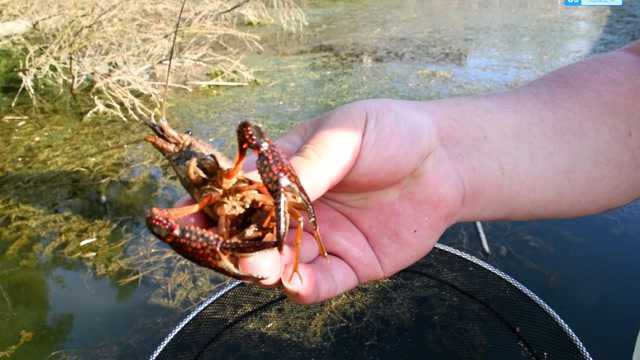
328, 148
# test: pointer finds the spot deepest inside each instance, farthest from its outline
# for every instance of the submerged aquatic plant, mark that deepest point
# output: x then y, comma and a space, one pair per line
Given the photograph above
25, 337
115, 50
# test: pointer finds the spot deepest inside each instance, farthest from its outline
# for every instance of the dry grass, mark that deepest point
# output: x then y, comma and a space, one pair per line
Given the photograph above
116, 50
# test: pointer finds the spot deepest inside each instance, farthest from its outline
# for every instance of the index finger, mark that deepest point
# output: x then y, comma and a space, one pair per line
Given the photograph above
325, 149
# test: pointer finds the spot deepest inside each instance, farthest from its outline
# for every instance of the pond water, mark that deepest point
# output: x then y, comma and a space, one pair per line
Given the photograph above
67, 186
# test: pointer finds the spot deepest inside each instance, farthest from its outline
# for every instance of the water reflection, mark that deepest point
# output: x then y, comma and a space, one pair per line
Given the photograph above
24, 306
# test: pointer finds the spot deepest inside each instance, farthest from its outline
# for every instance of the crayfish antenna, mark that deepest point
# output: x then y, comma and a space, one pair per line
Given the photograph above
171, 52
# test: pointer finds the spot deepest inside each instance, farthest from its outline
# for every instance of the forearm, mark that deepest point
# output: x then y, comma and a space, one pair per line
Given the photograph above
565, 145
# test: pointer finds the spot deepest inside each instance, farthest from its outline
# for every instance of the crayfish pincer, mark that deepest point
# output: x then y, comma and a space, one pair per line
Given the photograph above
248, 215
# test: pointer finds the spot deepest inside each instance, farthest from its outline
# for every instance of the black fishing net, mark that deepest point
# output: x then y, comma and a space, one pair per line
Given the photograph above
447, 306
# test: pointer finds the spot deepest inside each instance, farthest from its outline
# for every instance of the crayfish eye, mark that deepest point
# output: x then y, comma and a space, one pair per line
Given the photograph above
189, 132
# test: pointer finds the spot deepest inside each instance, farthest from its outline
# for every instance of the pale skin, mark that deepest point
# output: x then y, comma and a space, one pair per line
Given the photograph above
389, 177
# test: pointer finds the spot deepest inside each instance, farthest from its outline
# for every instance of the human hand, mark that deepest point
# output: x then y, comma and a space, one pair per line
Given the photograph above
385, 193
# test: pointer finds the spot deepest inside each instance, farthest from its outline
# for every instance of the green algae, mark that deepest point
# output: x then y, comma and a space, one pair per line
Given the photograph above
9, 66
53, 184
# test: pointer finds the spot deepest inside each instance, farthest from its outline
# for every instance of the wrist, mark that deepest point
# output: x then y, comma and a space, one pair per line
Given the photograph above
446, 163
464, 138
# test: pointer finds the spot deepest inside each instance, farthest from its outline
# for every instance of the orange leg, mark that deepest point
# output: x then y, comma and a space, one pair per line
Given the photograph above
255, 186
268, 219
223, 226
321, 248
297, 240
183, 211
316, 234
237, 163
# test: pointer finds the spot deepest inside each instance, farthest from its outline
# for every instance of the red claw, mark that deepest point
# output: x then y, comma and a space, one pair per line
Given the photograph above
201, 246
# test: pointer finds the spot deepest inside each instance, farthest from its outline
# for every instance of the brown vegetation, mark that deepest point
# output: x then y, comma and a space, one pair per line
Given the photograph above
115, 50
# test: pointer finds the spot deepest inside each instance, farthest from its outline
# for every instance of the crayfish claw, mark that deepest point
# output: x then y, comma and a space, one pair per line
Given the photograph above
282, 218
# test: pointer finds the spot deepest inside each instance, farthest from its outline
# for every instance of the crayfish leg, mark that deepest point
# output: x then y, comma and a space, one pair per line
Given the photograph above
297, 242
183, 211
261, 188
267, 220
321, 247
306, 206
246, 139
237, 164
223, 225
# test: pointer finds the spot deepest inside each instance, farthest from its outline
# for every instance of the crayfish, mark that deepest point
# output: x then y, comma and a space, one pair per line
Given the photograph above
248, 215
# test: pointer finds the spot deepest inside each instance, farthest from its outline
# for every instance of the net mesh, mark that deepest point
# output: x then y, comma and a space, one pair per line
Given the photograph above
447, 306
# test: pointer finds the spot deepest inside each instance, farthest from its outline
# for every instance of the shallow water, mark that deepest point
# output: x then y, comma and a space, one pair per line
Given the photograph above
586, 269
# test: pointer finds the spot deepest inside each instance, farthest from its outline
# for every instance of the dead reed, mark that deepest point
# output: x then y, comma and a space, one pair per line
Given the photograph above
115, 51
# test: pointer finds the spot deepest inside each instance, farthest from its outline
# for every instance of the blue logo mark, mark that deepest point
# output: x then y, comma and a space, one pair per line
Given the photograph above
592, 2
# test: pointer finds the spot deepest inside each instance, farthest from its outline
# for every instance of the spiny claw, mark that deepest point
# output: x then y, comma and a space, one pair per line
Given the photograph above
282, 219
202, 246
